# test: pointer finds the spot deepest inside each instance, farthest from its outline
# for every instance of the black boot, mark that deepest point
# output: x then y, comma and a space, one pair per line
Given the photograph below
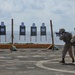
73, 60
62, 61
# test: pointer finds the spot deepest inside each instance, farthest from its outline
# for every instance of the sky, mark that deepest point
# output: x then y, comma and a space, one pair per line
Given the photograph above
61, 12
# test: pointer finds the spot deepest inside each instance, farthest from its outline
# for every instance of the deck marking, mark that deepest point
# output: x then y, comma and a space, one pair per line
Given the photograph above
40, 64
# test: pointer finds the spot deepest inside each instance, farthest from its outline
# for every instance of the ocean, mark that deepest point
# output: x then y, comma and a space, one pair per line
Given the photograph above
31, 39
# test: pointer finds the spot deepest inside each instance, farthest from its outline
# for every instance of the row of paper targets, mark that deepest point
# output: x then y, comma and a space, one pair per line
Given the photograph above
33, 31
22, 31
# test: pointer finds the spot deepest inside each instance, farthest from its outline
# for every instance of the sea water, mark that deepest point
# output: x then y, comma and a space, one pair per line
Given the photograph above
31, 39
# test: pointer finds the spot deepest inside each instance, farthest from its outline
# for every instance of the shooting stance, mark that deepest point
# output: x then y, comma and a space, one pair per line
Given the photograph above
66, 37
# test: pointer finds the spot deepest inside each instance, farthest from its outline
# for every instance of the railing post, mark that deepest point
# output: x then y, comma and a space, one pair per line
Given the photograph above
12, 35
52, 33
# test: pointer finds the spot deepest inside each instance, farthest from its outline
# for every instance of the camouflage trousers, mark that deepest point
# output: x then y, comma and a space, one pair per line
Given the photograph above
74, 49
67, 48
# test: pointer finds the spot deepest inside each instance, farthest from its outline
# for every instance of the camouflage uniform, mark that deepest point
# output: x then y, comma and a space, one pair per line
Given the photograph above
73, 43
66, 37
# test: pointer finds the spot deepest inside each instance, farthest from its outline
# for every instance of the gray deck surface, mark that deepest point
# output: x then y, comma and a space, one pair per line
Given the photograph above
34, 62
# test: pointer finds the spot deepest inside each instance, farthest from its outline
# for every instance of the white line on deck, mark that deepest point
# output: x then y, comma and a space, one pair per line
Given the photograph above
40, 64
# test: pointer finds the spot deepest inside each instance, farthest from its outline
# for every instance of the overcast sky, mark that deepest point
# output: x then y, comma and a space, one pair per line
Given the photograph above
61, 12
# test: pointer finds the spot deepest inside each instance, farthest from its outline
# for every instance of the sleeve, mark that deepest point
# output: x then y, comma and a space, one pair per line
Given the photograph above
62, 37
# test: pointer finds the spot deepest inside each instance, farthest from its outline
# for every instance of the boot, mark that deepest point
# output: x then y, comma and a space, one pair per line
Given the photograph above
62, 61
73, 60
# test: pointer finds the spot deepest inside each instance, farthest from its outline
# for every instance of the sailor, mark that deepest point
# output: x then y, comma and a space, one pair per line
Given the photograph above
66, 37
73, 43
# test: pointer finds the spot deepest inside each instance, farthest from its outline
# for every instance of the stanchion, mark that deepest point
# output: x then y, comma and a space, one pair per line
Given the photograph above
52, 34
52, 45
13, 48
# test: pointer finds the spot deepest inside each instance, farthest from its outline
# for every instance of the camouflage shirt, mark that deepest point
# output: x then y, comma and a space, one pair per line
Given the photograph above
66, 37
